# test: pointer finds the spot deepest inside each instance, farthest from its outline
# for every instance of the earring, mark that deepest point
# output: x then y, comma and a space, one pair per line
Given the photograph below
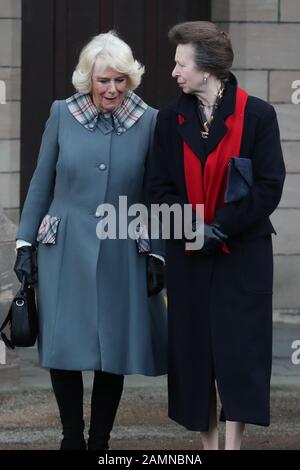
205, 79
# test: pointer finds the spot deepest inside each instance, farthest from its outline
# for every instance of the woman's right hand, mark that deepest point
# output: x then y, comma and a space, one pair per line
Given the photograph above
26, 265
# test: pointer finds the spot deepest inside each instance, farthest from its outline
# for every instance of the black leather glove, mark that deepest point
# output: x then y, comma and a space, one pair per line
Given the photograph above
26, 265
155, 275
213, 238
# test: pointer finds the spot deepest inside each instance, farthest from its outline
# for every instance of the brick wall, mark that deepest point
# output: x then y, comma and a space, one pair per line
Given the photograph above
265, 36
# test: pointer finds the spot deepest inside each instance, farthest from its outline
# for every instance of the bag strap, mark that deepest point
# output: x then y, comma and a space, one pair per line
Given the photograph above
6, 341
24, 284
7, 319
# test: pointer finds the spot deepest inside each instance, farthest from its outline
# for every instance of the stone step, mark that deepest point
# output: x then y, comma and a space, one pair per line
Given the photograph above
29, 420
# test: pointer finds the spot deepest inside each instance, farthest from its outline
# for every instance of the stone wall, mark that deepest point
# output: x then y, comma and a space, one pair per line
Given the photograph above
10, 72
265, 36
9, 372
10, 67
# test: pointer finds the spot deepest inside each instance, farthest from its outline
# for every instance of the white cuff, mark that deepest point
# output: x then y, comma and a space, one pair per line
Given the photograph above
161, 258
20, 243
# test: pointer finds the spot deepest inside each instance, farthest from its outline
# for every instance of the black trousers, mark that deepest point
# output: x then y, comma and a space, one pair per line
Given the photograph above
68, 389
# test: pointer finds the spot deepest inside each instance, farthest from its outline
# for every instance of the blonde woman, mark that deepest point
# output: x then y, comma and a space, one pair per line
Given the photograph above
98, 300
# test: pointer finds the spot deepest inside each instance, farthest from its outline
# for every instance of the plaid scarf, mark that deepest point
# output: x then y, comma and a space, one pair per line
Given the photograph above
124, 117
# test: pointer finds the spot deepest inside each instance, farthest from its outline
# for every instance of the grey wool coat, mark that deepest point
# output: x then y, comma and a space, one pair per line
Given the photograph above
94, 311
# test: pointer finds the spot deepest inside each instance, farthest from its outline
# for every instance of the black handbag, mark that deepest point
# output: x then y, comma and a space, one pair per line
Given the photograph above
22, 319
239, 179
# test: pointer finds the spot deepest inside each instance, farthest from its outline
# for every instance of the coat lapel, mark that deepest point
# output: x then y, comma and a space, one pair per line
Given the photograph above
190, 130
227, 106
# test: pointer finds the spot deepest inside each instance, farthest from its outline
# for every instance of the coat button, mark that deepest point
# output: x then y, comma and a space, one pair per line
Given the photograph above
102, 167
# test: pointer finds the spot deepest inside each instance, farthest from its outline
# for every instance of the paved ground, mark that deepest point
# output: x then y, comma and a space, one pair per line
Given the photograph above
29, 417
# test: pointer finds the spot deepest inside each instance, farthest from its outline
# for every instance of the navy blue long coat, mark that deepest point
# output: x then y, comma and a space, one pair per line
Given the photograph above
220, 306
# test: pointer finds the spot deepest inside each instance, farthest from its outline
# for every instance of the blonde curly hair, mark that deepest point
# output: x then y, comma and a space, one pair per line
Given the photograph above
114, 53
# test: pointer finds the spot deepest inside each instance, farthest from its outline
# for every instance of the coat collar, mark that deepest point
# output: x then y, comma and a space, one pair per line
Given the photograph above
125, 116
190, 129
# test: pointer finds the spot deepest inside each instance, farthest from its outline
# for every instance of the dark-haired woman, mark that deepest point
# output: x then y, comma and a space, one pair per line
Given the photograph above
219, 297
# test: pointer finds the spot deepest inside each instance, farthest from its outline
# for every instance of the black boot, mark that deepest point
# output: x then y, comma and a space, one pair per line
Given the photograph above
73, 443
68, 389
107, 391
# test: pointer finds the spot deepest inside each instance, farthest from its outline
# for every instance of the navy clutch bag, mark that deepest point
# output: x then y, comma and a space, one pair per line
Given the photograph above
239, 179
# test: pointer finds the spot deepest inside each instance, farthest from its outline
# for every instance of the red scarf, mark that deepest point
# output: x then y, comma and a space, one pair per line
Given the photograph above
209, 187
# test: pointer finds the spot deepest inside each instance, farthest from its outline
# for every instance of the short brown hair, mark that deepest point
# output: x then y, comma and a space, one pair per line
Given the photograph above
213, 50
